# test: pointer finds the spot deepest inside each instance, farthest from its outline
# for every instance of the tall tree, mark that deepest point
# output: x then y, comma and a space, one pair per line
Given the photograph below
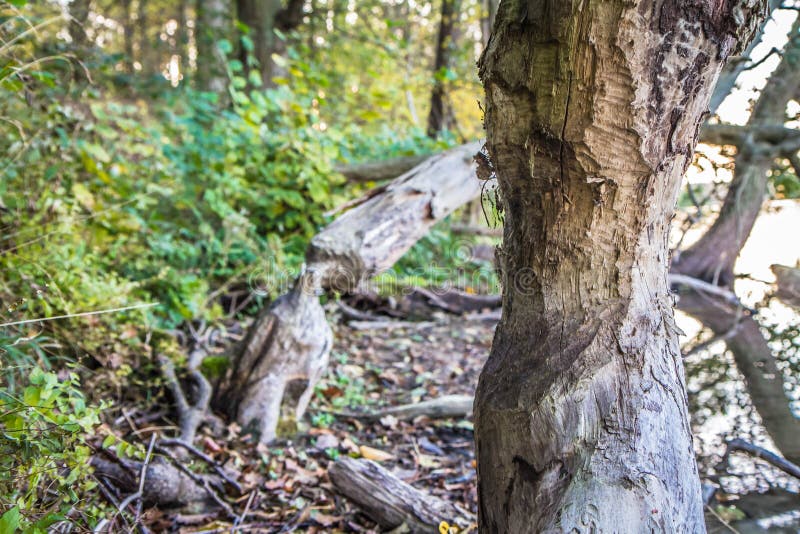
263, 17
713, 257
592, 112
441, 115
488, 13
214, 23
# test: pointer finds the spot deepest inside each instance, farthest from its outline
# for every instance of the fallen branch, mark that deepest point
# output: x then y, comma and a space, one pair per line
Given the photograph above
389, 501
376, 171
771, 458
438, 408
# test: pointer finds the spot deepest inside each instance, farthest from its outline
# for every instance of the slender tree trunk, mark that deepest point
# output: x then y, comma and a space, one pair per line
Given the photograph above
145, 45
441, 115
214, 23
79, 16
592, 112
713, 257
263, 17
128, 35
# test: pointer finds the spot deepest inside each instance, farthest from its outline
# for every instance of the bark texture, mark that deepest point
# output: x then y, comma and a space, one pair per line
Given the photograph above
592, 114
713, 256
292, 339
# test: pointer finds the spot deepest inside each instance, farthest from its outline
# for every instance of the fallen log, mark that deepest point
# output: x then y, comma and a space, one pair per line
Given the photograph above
291, 339
389, 501
376, 171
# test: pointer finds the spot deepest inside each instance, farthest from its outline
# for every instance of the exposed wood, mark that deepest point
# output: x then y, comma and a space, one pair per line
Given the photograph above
389, 501
370, 238
787, 280
592, 113
377, 171
291, 339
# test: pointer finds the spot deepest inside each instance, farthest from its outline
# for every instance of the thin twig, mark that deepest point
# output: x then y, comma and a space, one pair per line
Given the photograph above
83, 314
142, 478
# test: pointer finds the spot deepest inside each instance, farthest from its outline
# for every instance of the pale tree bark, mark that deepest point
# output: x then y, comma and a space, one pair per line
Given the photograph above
713, 256
592, 113
214, 23
441, 116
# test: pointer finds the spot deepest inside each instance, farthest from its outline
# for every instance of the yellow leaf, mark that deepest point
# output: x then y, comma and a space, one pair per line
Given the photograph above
374, 454
444, 527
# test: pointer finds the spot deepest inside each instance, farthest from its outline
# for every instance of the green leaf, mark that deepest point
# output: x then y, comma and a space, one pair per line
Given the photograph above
9, 521
225, 46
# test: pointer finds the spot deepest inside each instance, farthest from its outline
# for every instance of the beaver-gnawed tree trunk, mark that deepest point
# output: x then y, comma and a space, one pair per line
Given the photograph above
592, 112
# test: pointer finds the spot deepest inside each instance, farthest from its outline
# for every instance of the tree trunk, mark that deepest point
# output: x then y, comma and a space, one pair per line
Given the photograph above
441, 115
79, 16
713, 257
592, 113
263, 17
214, 23
128, 31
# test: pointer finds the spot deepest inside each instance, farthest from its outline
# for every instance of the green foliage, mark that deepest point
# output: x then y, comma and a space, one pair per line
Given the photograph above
44, 452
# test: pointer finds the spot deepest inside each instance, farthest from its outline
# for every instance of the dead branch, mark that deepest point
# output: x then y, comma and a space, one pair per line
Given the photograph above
389, 501
771, 458
377, 171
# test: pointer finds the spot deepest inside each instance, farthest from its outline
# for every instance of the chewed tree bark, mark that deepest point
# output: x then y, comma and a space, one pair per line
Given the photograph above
592, 113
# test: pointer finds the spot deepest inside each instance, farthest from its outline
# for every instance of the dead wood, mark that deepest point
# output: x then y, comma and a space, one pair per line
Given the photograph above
439, 408
389, 501
291, 339
376, 171
165, 485
759, 452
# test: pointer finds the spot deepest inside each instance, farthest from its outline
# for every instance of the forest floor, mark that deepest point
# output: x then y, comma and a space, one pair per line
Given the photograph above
285, 487
375, 364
